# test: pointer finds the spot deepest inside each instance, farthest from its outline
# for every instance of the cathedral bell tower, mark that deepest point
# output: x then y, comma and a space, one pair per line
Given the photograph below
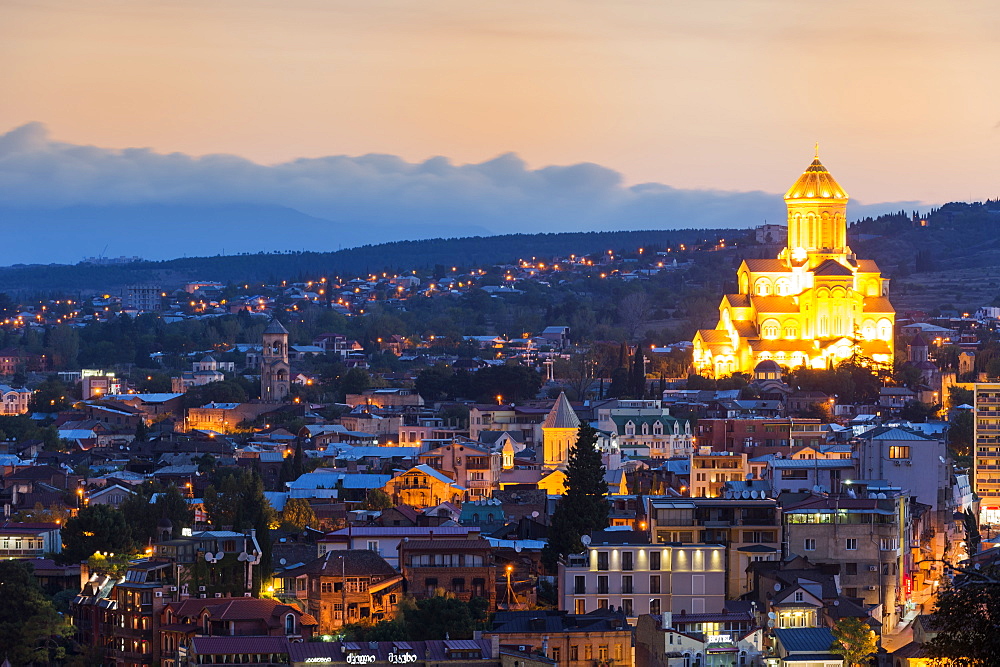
817, 215
274, 370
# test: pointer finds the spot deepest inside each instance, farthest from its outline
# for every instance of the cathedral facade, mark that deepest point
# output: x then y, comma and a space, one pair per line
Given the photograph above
813, 306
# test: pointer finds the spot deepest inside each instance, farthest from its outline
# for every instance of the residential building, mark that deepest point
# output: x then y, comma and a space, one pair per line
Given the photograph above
805, 647
908, 459
29, 540
712, 640
240, 620
866, 537
758, 436
358, 580
14, 400
622, 569
570, 640
748, 529
422, 486
808, 475
986, 451
711, 470
385, 540
461, 567
142, 298
646, 429
469, 464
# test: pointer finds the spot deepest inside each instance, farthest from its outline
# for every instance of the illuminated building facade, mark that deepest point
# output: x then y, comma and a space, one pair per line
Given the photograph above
815, 305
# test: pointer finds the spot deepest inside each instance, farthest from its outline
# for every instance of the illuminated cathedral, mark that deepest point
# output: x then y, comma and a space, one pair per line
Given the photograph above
813, 306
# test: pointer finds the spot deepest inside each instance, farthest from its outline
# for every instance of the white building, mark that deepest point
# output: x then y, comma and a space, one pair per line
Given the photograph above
622, 569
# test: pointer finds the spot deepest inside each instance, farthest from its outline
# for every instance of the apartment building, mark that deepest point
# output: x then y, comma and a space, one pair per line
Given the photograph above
747, 528
986, 451
623, 570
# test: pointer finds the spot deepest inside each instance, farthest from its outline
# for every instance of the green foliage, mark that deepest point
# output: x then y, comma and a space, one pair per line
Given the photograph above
854, 640
31, 631
225, 391
383, 631
966, 618
512, 382
238, 501
115, 565
959, 396
917, 412
50, 396
435, 617
95, 528
377, 499
297, 514
960, 431
584, 509
142, 516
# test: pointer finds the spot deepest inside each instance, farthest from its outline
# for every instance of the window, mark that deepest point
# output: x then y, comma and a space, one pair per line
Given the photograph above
289, 624
799, 597
654, 583
627, 606
602, 603
555, 653
888, 544
850, 568
809, 544
654, 606
852, 544
602, 560
618, 651
326, 587
574, 652
602, 584
626, 560
627, 584
602, 653
588, 652
654, 560
580, 585
579, 606
899, 452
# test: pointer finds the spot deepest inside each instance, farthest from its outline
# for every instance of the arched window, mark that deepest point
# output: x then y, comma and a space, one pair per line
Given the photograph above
629, 428
884, 329
658, 428
289, 624
783, 287
762, 287
206, 626
645, 428
769, 329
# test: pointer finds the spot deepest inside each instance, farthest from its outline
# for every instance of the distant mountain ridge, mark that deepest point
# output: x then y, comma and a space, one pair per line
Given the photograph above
395, 256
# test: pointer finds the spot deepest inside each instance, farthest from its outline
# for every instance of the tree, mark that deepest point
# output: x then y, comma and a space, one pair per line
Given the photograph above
355, 381
584, 508
172, 505
854, 640
377, 499
95, 528
435, 617
959, 396
960, 432
30, 629
297, 514
966, 618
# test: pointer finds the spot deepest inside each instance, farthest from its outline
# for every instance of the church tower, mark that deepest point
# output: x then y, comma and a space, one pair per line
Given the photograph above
559, 433
817, 215
274, 369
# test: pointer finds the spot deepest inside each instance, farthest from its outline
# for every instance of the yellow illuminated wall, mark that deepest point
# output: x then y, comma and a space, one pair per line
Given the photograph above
814, 305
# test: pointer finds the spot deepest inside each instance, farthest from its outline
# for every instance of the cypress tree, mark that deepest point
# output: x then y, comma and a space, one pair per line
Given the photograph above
584, 508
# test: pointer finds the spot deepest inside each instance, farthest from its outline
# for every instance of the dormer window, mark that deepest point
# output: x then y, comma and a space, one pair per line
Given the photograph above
629, 428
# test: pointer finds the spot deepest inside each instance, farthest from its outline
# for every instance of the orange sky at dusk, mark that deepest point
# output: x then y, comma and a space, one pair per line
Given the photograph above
726, 94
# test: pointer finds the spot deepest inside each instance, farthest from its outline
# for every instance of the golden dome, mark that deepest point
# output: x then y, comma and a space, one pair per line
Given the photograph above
816, 183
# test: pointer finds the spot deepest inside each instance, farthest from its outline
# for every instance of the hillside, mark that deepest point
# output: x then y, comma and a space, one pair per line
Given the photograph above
396, 256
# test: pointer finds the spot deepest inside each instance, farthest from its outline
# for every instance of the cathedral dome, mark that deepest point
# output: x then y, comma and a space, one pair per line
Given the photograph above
816, 183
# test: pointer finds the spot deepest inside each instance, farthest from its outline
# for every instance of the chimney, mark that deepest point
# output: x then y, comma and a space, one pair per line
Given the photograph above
668, 620
545, 646
495, 646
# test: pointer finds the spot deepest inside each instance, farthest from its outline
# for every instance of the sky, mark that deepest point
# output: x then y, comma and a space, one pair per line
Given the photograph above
711, 97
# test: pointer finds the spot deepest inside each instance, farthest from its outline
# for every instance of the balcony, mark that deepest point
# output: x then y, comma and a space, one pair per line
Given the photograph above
479, 484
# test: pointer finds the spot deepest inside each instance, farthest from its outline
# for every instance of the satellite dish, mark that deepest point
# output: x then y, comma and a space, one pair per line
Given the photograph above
586, 540
282, 561
534, 515
745, 494
220, 555
777, 587
209, 557
753, 494
517, 548
771, 615
243, 556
